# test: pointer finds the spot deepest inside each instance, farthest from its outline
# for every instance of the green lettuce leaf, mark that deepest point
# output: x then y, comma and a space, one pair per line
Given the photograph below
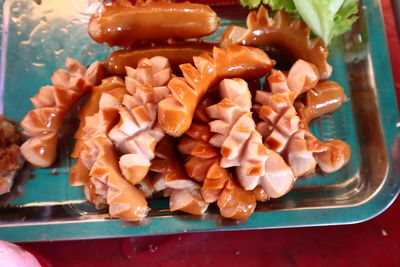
250, 3
345, 17
327, 18
286, 5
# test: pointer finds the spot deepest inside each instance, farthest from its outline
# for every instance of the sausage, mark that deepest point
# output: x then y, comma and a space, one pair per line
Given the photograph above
293, 37
196, 148
241, 144
123, 24
125, 200
286, 130
106, 185
326, 97
134, 135
166, 163
218, 185
336, 155
276, 109
260, 194
177, 54
235, 202
175, 113
305, 151
300, 158
215, 182
92, 106
52, 103
185, 193
189, 201
203, 167
301, 77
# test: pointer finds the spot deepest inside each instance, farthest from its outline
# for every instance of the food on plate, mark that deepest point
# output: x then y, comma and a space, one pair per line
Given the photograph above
136, 135
175, 113
52, 104
123, 24
176, 53
235, 202
325, 97
275, 108
10, 156
125, 200
203, 134
241, 144
203, 164
203, 161
283, 129
91, 107
292, 37
184, 192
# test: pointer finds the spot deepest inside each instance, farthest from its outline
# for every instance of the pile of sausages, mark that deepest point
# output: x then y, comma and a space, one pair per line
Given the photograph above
173, 115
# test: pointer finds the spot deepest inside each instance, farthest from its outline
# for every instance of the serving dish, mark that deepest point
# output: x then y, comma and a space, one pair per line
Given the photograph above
42, 206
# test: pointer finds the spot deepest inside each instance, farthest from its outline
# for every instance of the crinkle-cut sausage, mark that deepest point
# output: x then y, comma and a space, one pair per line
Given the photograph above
52, 103
184, 192
175, 113
241, 144
125, 200
98, 124
275, 108
292, 37
136, 134
113, 84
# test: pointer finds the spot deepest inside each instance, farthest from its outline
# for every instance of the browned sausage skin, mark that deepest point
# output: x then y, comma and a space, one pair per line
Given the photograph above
327, 96
177, 54
291, 37
123, 24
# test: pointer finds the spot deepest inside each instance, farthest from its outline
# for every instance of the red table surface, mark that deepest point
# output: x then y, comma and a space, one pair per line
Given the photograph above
372, 243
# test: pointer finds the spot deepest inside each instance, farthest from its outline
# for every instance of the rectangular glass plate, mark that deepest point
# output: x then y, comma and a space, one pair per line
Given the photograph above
42, 206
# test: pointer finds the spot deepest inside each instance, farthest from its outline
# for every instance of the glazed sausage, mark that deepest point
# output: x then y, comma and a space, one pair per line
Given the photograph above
176, 53
52, 104
123, 24
292, 37
326, 97
241, 144
92, 106
125, 200
175, 113
235, 202
184, 192
135, 128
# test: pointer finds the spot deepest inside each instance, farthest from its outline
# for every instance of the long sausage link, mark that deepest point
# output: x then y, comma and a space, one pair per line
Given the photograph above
176, 54
124, 24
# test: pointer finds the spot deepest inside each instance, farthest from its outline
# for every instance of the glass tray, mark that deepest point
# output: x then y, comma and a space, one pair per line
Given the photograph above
42, 206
